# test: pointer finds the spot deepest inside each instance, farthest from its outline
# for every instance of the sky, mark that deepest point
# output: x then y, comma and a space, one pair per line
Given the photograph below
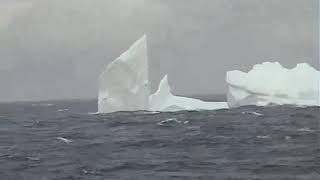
56, 49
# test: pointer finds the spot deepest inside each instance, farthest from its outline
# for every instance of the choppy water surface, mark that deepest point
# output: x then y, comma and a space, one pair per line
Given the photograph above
61, 140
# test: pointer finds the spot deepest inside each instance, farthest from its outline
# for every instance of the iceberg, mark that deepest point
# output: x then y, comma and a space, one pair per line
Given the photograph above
163, 100
270, 83
124, 85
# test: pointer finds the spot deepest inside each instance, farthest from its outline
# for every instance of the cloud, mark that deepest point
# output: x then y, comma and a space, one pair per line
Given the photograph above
69, 42
9, 10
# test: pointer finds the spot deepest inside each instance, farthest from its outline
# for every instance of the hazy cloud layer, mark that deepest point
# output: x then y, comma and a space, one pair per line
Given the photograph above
11, 9
57, 48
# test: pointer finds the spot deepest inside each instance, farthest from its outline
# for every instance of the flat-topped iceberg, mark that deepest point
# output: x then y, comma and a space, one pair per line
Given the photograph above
164, 100
270, 83
124, 85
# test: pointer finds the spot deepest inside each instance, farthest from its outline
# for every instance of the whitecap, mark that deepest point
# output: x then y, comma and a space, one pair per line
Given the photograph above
42, 105
65, 140
253, 113
264, 137
305, 130
288, 137
170, 120
62, 110
33, 159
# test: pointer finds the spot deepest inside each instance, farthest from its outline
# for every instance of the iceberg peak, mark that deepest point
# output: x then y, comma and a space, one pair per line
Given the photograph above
164, 87
124, 85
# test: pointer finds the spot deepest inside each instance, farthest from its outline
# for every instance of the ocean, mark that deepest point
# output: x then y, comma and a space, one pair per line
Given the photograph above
66, 140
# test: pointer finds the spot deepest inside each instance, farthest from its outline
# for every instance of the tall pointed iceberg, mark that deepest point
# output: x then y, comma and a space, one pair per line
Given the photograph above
164, 100
124, 85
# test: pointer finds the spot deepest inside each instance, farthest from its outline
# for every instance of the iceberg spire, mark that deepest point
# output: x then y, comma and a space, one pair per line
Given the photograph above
124, 85
164, 87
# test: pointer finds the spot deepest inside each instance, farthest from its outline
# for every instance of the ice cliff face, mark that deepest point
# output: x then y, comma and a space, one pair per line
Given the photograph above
124, 85
270, 83
164, 100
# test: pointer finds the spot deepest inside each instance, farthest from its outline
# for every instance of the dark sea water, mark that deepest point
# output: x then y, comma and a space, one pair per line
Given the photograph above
62, 140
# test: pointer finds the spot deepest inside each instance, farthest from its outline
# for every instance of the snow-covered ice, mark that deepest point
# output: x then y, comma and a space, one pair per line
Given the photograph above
270, 83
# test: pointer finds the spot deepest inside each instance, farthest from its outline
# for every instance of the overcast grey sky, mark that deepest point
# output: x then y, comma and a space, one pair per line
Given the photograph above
56, 49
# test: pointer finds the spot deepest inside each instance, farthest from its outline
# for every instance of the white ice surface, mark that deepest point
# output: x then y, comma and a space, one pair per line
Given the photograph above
124, 85
270, 83
164, 100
